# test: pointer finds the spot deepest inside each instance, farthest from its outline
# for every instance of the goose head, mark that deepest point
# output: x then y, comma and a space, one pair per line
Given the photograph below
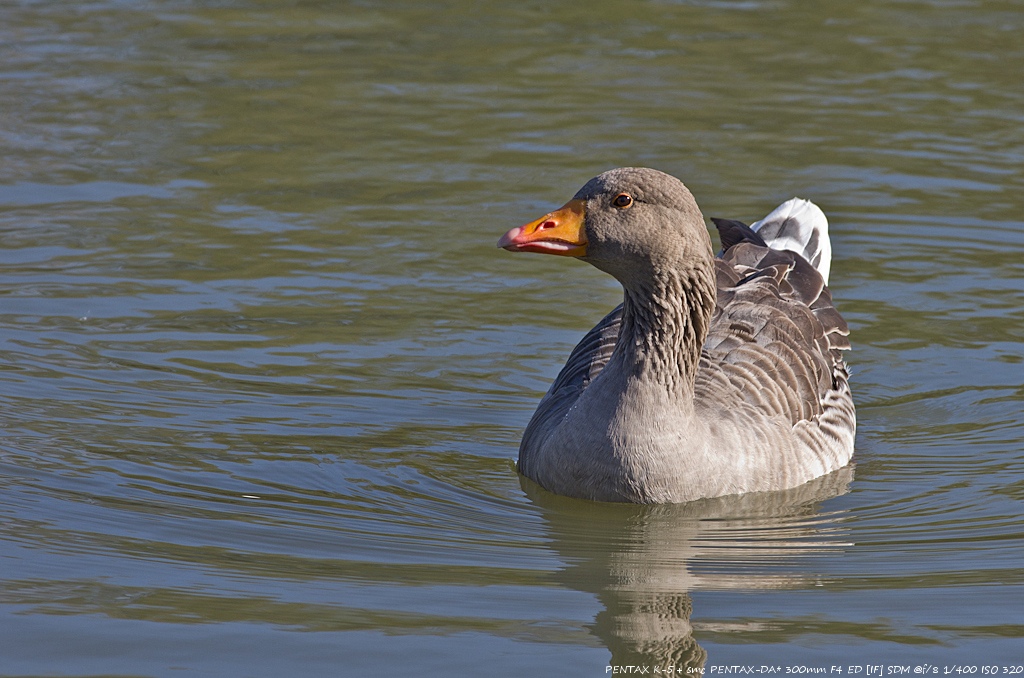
633, 223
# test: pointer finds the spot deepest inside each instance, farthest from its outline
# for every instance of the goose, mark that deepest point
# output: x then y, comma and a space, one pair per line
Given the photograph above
717, 375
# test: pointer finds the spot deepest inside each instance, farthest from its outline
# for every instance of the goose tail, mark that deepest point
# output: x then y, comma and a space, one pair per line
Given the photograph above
799, 226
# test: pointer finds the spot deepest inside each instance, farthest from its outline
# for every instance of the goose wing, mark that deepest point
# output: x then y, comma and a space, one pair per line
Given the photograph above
776, 338
585, 362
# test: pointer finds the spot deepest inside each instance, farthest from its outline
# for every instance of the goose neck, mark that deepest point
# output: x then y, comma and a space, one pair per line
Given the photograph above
665, 321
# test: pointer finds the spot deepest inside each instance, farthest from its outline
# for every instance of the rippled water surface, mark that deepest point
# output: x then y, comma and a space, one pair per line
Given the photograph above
264, 373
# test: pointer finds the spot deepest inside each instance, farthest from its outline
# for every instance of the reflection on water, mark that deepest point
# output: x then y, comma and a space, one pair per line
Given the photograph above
641, 562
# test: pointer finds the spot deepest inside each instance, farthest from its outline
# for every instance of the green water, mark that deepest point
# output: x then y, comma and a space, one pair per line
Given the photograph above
263, 372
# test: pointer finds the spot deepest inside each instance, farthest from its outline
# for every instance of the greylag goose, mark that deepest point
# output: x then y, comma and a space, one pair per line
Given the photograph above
716, 375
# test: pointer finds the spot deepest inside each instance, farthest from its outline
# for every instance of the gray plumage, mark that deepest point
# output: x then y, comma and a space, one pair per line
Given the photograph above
715, 376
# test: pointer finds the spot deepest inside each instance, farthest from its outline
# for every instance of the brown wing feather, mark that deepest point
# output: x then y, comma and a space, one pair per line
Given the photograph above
775, 336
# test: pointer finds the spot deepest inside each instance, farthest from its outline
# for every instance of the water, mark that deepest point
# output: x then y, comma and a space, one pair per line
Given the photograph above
264, 373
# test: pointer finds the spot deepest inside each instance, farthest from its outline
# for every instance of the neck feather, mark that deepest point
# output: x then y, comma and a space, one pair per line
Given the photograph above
665, 322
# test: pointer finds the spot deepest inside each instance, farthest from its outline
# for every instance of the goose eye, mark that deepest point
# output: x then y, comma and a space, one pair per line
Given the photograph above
623, 200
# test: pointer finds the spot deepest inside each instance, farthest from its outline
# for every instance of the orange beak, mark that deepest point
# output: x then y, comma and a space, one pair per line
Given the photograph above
560, 232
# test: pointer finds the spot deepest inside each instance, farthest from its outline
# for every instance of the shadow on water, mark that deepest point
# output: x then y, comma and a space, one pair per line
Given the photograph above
643, 562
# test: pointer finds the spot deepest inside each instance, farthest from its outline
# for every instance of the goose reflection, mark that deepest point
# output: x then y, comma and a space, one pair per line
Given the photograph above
642, 562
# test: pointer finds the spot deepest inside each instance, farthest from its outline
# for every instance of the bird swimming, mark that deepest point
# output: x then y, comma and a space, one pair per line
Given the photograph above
717, 375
